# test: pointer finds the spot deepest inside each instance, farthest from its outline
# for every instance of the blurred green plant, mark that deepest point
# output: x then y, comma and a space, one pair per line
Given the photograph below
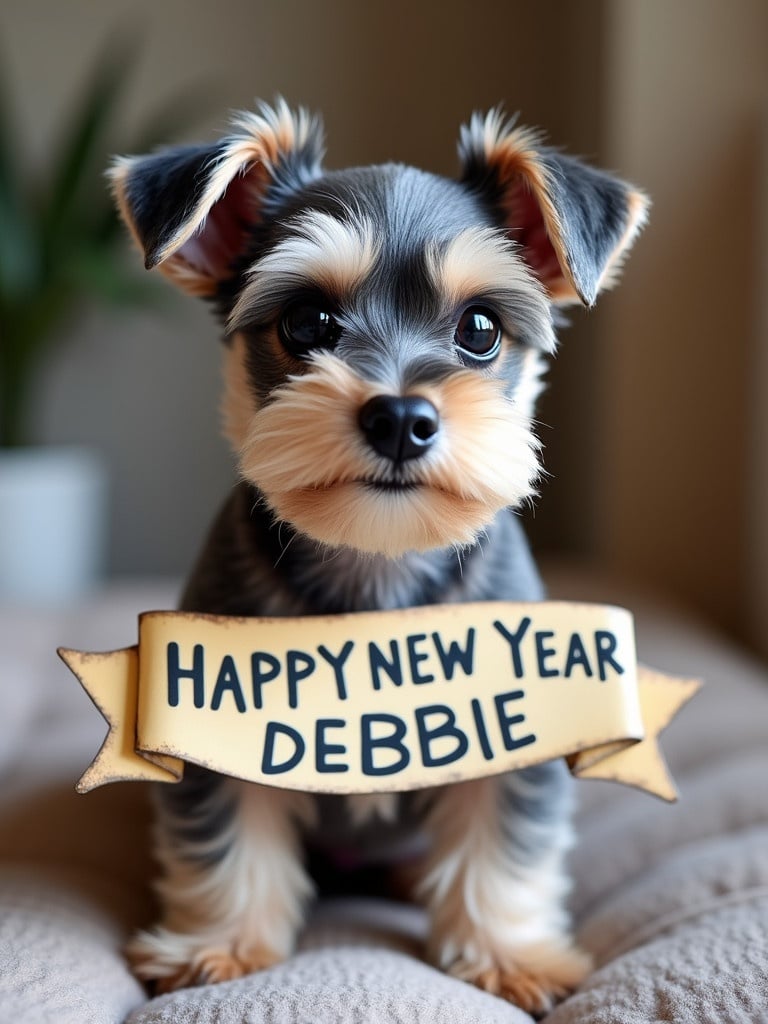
61, 244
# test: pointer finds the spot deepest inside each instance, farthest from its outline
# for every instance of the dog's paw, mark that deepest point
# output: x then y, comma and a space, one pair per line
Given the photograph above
170, 961
535, 980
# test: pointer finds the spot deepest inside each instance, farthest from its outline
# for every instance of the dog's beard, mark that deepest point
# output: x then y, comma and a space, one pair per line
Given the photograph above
307, 455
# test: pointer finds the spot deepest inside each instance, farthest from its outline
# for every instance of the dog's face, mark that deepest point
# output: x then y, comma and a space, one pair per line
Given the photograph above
385, 327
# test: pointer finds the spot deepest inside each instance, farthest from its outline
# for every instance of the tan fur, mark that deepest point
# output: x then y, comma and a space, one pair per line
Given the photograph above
238, 401
382, 524
514, 155
335, 254
515, 158
477, 261
242, 913
494, 923
535, 987
638, 205
307, 455
208, 967
118, 179
258, 142
253, 149
188, 278
332, 254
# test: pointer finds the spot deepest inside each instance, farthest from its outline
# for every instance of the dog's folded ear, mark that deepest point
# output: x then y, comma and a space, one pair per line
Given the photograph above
573, 223
192, 209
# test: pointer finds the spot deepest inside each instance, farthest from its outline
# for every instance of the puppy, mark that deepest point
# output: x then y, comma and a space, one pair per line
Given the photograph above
384, 335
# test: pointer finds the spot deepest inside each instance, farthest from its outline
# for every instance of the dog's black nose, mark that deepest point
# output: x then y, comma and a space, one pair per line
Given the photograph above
398, 427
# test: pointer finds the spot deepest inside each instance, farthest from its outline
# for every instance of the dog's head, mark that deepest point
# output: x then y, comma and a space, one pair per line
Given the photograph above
384, 327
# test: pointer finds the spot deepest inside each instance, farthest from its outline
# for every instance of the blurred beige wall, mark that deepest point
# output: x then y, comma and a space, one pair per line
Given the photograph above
757, 397
682, 347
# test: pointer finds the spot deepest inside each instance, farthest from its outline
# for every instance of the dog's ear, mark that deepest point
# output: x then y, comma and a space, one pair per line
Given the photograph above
574, 223
191, 208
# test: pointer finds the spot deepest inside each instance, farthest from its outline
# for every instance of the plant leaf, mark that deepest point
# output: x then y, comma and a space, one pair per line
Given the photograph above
60, 244
18, 263
83, 149
102, 274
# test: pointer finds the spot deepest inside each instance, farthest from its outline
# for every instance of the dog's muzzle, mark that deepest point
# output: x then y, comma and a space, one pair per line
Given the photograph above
399, 428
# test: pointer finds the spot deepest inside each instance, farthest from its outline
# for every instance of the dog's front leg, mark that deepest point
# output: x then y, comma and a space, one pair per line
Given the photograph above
495, 885
233, 888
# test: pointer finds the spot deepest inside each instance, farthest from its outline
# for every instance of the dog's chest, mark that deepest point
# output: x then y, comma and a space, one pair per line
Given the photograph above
367, 828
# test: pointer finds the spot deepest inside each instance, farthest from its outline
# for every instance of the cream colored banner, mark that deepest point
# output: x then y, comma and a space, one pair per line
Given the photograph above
382, 700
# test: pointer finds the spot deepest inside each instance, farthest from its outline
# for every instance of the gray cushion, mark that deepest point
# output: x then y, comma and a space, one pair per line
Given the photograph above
346, 984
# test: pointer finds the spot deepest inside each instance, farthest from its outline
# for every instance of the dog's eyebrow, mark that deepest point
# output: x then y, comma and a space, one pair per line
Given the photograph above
480, 265
321, 251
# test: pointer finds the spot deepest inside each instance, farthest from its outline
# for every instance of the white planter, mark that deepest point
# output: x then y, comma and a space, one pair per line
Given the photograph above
52, 523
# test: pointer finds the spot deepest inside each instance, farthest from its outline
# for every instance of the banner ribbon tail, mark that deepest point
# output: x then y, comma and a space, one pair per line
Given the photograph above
641, 764
111, 680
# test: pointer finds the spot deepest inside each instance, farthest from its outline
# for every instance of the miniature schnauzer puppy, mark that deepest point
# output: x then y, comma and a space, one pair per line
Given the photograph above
384, 330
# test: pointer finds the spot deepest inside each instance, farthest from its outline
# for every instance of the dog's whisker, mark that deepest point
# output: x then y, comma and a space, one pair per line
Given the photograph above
457, 552
283, 547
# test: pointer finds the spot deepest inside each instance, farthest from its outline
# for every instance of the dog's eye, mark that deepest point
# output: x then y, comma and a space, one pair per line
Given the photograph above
478, 333
304, 327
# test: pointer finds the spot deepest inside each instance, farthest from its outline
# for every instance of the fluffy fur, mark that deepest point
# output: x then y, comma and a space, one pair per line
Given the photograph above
333, 515
484, 461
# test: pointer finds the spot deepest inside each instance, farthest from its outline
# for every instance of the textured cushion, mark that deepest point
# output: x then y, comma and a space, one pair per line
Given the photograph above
343, 985
60, 936
672, 900
710, 968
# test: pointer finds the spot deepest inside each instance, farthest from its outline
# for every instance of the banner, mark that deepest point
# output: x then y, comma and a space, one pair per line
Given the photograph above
382, 701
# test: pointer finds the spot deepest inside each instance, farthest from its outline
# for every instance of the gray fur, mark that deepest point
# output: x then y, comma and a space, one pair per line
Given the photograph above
254, 566
397, 329
196, 816
593, 210
397, 326
397, 312
535, 805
